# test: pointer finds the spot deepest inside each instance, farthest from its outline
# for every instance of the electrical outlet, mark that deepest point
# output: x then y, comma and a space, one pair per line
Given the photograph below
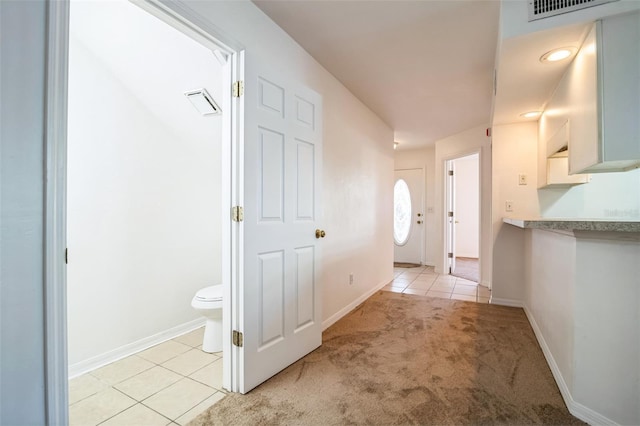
351, 278
522, 179
508, 206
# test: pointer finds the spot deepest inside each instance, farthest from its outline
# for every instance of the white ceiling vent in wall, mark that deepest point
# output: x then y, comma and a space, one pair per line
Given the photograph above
202, 100
539, 9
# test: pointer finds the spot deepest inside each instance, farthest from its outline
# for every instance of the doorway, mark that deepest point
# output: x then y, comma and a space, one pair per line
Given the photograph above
249, 137
148, 195
463, 216
408, 217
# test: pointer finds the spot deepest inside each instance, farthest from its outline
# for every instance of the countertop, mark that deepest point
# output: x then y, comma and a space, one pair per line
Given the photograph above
568, 224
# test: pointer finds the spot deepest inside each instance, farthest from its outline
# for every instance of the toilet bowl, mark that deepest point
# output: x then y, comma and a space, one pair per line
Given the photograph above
209, 302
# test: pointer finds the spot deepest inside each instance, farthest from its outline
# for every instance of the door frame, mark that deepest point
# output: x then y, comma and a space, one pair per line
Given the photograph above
445, 207
190, 23
450, 205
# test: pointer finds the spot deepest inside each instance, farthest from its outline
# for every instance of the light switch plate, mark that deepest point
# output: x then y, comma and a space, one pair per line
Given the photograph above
522, 179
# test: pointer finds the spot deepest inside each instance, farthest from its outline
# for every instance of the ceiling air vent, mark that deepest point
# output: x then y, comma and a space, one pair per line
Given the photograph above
539, 9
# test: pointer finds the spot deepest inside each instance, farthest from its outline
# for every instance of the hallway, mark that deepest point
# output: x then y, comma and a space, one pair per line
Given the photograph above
404, 359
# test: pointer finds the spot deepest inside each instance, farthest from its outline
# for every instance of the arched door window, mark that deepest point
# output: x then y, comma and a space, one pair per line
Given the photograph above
401, 212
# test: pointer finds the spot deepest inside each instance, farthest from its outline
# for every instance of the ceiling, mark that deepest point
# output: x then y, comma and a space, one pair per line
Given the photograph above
424, 67
523, 82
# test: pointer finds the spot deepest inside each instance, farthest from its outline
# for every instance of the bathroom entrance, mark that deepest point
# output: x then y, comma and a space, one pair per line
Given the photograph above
269, 217
148, 194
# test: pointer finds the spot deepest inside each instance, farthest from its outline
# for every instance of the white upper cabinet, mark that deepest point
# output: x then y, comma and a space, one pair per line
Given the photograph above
555, 161
602, 90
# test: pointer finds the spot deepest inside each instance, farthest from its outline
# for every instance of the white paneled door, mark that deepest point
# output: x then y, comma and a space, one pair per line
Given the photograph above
280, 307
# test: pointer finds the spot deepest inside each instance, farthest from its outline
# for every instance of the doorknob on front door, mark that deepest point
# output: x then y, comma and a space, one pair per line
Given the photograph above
320, 233
419, 222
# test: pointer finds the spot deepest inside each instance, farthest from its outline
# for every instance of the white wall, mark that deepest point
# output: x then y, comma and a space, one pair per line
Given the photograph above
144, 196
586, 321
357, 155
22, 106
607, 327
550, 294
607, 196
467, 206
514, 150
459, 145
423, 159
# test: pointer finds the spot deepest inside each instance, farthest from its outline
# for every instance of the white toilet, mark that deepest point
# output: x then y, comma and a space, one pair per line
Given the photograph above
209, 302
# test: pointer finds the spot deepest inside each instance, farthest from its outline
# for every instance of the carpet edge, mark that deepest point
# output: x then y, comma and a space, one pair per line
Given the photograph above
351, 306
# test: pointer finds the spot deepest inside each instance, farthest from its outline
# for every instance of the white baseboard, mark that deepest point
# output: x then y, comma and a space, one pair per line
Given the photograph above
351, 306
101, 360
580, 411
506, 302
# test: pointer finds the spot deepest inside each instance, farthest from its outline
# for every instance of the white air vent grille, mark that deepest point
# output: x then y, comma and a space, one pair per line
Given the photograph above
539, 9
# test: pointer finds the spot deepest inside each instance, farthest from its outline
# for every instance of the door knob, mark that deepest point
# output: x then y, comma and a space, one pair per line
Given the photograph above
320, 233
419, 222
419, 214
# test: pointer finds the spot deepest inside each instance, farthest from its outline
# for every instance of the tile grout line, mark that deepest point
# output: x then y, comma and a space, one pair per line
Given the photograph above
198, 403
399, 273
122, 411
152, 364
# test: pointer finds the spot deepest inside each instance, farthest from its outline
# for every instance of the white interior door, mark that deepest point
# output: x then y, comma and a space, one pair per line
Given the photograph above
467, 207
280, 306
408, 216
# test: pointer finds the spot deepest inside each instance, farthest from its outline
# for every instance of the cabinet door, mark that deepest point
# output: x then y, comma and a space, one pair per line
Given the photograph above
619, 86
607, 98
583, 100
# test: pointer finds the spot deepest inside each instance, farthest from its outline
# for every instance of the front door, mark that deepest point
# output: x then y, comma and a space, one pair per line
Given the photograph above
408, 216
280, 307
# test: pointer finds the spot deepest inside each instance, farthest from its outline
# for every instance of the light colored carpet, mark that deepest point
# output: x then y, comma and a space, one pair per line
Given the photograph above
467, 268
405, 265
401, 359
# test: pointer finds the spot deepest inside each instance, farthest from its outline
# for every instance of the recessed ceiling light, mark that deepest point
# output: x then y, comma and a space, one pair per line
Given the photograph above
531, 114
558, 54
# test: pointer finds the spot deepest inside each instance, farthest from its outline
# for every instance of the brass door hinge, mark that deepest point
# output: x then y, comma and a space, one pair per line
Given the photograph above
237, 214
450, 172
450, 214
238, 89
450, 255
66, 256
238, 338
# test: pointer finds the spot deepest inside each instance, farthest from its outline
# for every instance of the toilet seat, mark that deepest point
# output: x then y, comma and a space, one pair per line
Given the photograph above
208, 301
210, 294
208, 298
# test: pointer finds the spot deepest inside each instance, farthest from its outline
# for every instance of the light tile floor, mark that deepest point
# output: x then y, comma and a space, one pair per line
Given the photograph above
424, 281
170, 383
